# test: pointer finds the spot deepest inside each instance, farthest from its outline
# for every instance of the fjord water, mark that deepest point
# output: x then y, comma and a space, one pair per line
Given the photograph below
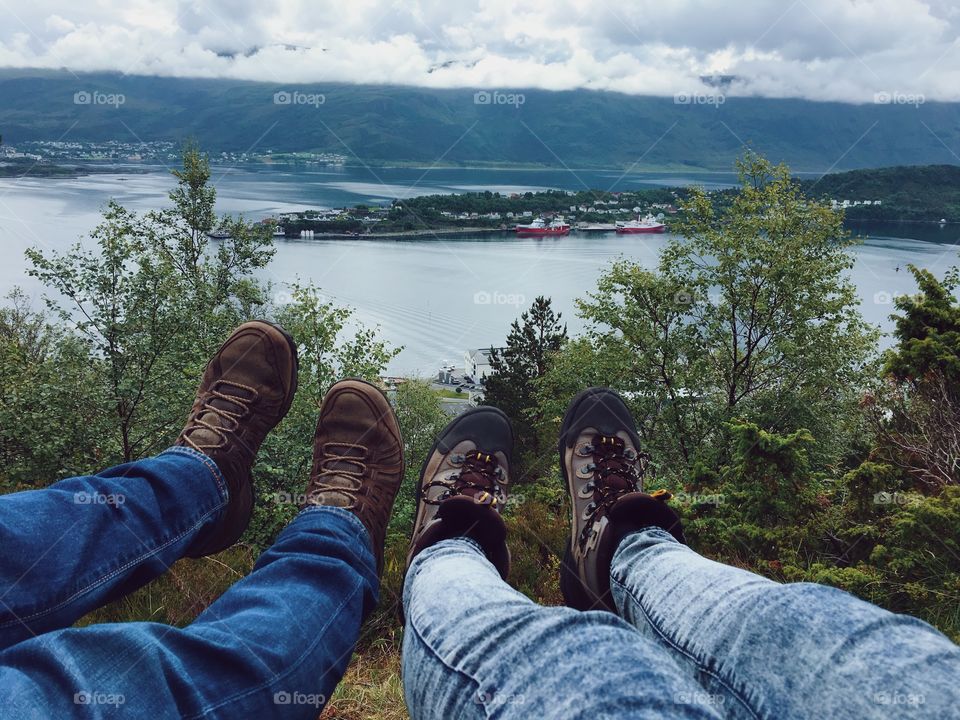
439, 296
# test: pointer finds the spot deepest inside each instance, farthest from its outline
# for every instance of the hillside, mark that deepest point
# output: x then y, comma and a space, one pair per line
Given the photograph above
403, 124
925, 193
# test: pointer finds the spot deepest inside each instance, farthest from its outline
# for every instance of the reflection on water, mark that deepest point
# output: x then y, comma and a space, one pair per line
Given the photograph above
435, 297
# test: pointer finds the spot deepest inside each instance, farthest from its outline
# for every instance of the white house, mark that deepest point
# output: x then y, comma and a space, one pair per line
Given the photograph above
476, 363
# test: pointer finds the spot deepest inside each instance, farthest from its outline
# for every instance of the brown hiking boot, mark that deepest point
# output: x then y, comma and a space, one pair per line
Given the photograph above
604, 470
463, 486
358, 457
245, 391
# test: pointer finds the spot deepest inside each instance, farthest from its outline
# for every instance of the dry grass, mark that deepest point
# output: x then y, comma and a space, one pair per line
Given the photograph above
370, 690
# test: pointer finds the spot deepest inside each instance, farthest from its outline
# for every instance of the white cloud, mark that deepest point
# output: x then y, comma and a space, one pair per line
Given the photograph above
821, 49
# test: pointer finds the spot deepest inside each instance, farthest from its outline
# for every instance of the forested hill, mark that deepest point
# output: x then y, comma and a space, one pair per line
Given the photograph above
403, 124
918, 193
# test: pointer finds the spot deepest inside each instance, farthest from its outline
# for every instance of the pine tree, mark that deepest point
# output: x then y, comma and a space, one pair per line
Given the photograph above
515, 370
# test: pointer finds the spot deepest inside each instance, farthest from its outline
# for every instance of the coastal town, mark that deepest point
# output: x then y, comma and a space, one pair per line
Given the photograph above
158, 151
482, 213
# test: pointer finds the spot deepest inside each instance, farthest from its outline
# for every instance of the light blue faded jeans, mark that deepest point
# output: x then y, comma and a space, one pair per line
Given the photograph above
274, 645
694, 639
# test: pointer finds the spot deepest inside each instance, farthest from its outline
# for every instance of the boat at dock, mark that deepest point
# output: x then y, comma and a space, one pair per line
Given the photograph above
539, 227
649, 224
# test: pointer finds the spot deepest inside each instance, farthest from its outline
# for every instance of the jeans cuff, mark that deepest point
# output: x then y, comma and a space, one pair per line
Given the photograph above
462, 544
652, 534
340, 512
207, 462
457, 544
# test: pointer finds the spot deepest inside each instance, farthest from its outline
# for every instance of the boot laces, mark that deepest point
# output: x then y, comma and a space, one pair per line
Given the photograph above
480, 477
228, 408
616, 470
344, 461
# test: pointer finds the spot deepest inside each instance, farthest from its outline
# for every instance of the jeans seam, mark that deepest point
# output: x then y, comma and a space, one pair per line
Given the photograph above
462, 673
293, 666
678, 647
100, 581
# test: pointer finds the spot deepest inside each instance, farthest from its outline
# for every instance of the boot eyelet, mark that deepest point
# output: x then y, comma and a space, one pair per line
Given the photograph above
457, 459
585, 450
586, 471
587, 490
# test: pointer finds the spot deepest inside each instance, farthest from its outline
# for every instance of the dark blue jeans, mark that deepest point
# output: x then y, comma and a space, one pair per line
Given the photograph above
276, 644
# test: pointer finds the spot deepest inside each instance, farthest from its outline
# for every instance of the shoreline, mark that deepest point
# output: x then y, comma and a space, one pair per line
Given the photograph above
442, 233
404, 234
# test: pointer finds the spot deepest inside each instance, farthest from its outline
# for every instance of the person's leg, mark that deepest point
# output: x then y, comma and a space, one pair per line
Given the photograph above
798, 650
771, 650
475, 648
275, 644
79, 543
69, 548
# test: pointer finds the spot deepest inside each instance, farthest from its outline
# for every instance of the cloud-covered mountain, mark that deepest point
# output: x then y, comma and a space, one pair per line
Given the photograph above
577, 128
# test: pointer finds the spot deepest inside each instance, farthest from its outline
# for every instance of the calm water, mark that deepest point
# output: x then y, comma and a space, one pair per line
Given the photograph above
434, 297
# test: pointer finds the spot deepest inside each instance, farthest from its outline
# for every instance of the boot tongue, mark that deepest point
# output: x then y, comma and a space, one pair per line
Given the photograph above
479, 486
204, 436
617, 483
228, 404
614, 471
343, 460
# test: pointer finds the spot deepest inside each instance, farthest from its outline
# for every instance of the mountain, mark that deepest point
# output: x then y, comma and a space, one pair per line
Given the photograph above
578, 128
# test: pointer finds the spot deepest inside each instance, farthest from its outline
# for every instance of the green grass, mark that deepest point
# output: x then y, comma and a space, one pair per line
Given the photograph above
452, 394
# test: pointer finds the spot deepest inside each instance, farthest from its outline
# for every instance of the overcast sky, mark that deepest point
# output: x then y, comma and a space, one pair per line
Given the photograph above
821, 49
